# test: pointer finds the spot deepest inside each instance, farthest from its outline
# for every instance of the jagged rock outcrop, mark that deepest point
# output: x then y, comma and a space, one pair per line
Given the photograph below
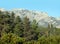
41, 17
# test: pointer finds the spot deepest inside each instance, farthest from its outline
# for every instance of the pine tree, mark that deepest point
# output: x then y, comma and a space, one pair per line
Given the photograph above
34, 27
12, 18
18, 28
28, 32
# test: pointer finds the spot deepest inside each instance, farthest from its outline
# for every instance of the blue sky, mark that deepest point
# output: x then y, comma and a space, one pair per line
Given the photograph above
52, 7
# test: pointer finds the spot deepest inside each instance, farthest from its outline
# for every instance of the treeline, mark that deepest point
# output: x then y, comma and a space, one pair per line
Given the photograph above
14, 30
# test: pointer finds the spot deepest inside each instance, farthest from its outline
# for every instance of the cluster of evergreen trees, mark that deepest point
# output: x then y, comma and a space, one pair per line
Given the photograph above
14, 30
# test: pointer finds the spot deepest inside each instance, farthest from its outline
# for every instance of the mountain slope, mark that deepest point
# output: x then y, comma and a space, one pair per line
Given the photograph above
41, 17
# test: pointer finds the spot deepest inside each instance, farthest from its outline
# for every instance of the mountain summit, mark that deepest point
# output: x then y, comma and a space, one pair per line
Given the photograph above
41, 17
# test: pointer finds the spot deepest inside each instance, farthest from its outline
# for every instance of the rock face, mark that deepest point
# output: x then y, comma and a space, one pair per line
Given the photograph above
42, 18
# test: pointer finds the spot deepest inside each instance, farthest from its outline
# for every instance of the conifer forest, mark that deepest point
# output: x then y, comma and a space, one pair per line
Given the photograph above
16, 30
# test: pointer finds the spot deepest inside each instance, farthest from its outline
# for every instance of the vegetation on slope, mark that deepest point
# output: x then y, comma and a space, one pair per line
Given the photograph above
14, 30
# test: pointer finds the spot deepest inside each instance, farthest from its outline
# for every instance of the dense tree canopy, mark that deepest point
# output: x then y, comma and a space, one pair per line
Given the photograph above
14, 30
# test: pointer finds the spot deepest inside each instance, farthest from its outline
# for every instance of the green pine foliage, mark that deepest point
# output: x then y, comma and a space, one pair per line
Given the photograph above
14, 30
